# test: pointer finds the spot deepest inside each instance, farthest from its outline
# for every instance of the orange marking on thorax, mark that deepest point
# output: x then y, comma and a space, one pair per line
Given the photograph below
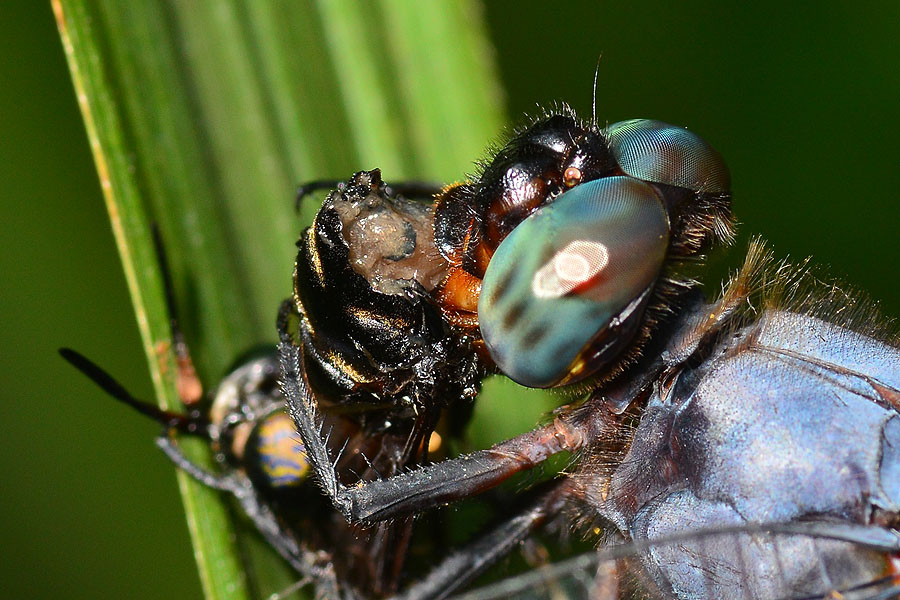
460, 291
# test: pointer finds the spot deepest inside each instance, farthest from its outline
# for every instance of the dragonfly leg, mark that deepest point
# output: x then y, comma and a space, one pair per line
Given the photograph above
422, 488
467, 563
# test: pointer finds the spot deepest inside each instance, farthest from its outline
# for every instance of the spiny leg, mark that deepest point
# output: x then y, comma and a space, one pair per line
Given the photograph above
421, 488
262, 517
463, 566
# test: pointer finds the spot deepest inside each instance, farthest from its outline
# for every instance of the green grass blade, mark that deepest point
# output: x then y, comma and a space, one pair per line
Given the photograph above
114, 152
204, 116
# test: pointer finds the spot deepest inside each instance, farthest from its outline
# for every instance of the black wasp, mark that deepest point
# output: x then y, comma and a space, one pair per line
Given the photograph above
565, 261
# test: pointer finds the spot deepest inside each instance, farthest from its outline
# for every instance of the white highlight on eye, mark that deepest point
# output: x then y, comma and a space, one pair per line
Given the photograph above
578, 262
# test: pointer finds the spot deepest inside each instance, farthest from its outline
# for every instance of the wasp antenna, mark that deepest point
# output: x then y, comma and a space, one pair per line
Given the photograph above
594, 94
106, 382
190, 389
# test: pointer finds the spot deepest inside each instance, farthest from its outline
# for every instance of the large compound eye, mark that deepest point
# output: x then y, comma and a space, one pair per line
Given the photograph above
662, 153
568, 275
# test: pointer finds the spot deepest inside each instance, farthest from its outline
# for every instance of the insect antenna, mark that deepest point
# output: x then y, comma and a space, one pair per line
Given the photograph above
186, 423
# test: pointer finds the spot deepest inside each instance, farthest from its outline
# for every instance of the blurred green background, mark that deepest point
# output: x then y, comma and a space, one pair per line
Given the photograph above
802, 105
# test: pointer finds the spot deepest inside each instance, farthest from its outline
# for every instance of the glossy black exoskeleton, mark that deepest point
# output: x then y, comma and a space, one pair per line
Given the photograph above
371, 330
676, 215
375, 343
264, 467
385, 323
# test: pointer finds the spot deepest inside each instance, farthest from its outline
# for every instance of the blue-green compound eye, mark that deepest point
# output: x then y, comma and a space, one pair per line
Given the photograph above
662, 153
567, 274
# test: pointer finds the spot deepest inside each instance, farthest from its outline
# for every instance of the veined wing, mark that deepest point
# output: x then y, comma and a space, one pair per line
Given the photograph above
616, 571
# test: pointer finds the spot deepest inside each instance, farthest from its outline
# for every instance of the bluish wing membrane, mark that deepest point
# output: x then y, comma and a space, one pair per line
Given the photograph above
617, 571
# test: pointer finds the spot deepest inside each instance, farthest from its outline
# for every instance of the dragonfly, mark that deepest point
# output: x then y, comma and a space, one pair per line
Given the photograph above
742, 447
430, 297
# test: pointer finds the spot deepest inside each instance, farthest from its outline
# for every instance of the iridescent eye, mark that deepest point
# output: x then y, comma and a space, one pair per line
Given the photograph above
565, 290
662, 153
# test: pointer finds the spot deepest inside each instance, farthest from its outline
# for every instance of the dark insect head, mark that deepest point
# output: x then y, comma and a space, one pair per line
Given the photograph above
556, 262
565, 250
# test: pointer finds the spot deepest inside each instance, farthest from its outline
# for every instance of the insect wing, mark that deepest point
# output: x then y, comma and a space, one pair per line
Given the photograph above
617, 571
